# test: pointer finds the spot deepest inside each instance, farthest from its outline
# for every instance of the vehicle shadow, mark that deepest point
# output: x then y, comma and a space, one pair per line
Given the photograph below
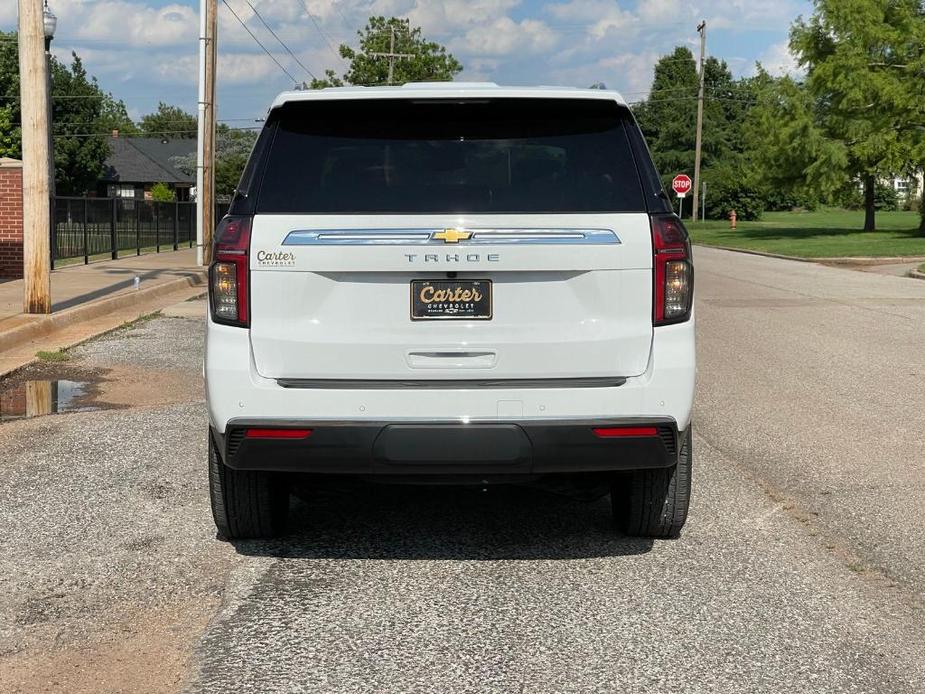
354, 520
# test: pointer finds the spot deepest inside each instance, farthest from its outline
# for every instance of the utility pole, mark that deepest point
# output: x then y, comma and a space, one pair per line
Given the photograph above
205, 166
36, 200
392, 56
702, 29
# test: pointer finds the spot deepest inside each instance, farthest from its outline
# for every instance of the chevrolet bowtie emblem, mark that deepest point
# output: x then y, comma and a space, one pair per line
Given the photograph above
452, 235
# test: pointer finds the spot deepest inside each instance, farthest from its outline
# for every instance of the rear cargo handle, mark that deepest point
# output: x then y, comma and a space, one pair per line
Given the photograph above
452, 360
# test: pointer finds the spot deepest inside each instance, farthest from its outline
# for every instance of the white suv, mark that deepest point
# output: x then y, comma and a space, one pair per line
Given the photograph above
450, 282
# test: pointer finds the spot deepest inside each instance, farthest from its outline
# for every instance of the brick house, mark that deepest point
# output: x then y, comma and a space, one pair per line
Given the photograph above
10, 218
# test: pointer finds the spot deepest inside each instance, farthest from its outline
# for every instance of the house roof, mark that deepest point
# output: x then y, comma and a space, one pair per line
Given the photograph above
147, 160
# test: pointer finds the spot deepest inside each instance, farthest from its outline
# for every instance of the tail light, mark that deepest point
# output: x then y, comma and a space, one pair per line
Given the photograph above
229, 277
673, 271
621, 432
278, 433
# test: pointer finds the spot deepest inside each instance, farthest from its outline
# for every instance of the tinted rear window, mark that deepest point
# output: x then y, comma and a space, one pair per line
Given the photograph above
402, 156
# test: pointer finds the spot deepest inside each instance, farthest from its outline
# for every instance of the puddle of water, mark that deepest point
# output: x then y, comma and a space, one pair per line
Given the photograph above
39, 398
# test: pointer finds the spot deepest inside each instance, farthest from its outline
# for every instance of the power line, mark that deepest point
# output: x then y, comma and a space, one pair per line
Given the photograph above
159, 133
58, 98
336, 5
318, 27
171, 122
311, 74
693, 98
272, 57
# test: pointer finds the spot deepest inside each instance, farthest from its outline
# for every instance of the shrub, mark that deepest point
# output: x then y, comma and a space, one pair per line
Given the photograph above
161, 192
885, 198
727, 190
778, 200
851, 197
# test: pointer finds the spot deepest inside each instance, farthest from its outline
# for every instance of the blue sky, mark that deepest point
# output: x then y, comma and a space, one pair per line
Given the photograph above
144, 51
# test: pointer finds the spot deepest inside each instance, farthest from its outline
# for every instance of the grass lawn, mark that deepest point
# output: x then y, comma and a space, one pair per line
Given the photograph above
825, 233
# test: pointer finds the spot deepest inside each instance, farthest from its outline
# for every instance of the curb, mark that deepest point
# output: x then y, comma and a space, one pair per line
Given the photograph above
916, 274
764, 254
41, 326
838, 260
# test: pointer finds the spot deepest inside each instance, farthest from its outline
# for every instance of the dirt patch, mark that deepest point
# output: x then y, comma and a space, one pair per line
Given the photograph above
130, 386
99, 388
149, 653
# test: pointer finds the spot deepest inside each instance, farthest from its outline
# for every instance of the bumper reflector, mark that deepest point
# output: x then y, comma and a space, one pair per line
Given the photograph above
617, 432
278, 433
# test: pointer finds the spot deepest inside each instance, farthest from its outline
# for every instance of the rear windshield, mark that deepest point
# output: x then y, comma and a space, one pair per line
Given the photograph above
404, 156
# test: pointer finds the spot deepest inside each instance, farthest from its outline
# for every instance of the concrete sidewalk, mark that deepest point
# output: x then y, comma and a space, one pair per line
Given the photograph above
89, 299
78, 284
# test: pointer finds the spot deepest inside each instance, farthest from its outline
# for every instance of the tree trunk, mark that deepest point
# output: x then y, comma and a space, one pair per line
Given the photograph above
869, 185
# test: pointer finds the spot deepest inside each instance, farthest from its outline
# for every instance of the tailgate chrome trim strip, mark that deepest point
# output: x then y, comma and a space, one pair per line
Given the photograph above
448, 383
466, 236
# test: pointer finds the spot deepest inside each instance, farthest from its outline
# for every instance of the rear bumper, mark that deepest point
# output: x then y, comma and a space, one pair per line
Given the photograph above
236, 392
449, 448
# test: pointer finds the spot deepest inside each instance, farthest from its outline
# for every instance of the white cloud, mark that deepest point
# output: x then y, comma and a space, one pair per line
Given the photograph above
630, 73
504, 36
778, 60
600, 16
654, 11
743, 15
9, 14
456, 14
129, 23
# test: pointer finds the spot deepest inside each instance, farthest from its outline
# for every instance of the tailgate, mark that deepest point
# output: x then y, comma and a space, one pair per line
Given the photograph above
571, 296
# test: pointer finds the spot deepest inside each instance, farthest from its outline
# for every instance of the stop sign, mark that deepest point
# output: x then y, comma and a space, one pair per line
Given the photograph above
681, 185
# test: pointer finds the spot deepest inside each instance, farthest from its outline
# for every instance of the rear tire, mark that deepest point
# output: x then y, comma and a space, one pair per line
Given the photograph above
246, 504
654, 503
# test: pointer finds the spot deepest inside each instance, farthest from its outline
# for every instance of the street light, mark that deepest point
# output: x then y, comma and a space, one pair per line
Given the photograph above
50, 22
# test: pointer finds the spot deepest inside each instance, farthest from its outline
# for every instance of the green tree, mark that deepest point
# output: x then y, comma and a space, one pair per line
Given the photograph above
10, 131
80, 146
10, 134
429, 61
114, 116
77, 105
786, 143
668, 119
865, 83
233, 147
169, 121
161, 192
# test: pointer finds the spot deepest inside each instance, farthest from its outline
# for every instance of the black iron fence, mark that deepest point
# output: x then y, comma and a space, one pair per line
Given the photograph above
95, 228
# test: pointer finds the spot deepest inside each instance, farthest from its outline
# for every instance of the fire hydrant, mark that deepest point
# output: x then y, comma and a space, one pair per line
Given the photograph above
732, 219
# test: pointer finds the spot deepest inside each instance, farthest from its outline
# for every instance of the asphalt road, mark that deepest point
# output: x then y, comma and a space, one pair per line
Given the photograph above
813, 378
800, 569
